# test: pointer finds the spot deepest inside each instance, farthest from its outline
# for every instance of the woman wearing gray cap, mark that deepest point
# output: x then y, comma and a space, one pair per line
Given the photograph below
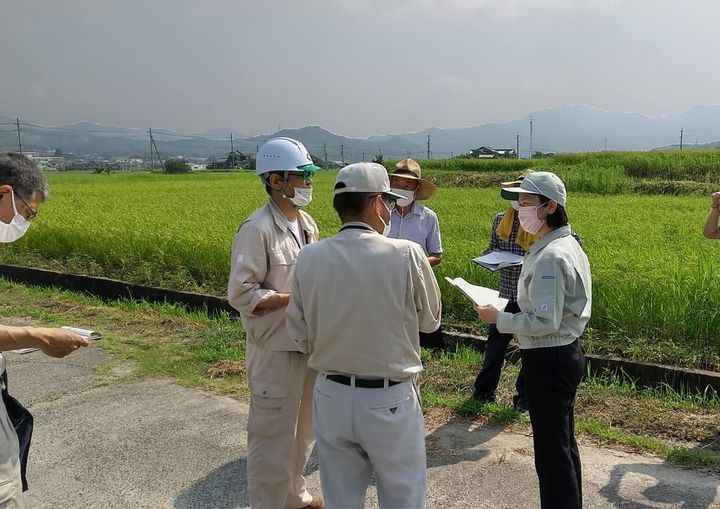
555, 297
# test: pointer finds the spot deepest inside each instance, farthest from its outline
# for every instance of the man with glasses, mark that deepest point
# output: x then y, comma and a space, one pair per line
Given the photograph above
358, 300
279, 429
23, 188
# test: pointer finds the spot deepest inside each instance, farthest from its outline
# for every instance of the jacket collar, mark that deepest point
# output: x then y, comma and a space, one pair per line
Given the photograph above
563, 231
281, 220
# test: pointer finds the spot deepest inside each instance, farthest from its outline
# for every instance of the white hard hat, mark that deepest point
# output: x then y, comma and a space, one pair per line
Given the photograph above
283, 154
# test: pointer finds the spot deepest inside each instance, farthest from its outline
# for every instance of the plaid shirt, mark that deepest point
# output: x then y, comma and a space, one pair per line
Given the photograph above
509, 276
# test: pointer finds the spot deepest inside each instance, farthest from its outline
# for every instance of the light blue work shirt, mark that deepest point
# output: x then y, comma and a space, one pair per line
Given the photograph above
419, 225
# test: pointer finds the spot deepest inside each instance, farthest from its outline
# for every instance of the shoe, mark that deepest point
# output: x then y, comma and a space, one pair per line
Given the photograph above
483, 398
520, 405
317, 503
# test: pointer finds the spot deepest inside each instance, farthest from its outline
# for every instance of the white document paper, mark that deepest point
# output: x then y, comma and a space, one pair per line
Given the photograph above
479, 294
497, 260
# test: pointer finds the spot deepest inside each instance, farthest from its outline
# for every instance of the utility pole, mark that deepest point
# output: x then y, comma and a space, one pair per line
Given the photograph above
517, 146
17, 123
153, 144
681, 137
325, 150
407, 153
152, 161
342, 153
428, 146
531, 133
363, 156
605, 143
232, 151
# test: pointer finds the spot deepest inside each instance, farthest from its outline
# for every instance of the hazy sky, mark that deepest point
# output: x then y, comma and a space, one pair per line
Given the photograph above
356, 67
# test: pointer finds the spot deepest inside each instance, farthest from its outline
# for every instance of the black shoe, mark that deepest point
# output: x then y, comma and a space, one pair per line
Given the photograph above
520, 405
483, 398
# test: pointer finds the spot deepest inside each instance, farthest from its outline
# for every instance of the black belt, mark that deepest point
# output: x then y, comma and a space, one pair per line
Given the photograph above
361, 382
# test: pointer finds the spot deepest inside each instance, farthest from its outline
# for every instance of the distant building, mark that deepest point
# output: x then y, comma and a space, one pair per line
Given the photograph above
45, 162
493, 153
233, 161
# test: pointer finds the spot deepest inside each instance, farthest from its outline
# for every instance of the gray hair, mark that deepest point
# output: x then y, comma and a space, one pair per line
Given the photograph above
20, 173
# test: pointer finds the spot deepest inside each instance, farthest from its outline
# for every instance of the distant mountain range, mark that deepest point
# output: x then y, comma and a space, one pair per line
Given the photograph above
571, 128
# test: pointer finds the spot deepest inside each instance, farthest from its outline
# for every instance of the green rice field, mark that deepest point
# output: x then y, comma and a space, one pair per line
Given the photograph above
656, 280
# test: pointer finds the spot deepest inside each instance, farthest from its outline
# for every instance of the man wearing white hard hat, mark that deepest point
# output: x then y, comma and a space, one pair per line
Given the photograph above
358, 300
279, 430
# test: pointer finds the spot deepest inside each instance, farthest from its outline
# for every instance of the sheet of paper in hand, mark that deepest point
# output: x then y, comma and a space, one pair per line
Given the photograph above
497, 260
90, 335
479, 294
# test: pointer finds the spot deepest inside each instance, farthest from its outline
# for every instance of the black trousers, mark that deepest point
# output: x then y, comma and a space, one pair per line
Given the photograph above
489, 376
432, 340
553, 375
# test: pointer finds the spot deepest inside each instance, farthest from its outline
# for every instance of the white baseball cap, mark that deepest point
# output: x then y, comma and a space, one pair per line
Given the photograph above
283, 154
543, 183
364, 178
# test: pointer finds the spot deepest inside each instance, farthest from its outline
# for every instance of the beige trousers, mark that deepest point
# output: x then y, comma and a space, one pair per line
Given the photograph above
10, 484
279, 432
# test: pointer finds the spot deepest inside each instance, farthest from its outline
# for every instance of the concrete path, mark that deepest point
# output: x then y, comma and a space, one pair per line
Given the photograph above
155, 444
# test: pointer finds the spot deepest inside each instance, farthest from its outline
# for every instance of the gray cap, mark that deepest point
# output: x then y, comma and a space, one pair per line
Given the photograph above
543, 183
364, 178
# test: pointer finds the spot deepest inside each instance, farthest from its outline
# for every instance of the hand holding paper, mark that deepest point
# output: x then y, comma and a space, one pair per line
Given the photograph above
479, 294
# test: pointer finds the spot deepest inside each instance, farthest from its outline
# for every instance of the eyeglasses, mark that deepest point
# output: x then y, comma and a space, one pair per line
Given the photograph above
306, 175
390, 202
33, 212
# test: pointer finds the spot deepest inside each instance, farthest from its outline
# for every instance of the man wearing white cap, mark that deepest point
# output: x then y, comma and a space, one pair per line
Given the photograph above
279, 430
358, 300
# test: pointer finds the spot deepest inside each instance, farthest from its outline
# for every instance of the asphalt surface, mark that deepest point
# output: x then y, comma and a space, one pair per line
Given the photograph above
156, 444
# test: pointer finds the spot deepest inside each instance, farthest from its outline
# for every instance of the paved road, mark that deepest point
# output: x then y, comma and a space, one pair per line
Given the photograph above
156, 444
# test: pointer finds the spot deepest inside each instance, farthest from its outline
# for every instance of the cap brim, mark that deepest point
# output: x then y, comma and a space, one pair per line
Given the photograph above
393, 195
308, 167
511, 193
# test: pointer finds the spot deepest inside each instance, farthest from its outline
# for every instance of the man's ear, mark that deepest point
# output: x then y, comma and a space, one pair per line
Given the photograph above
5, 190
274, 181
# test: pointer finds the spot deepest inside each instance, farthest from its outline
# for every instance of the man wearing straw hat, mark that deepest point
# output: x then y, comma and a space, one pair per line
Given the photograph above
411, 220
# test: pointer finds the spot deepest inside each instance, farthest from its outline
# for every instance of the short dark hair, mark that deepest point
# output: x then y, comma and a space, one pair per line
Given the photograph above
558, 218
20, 173
351, 205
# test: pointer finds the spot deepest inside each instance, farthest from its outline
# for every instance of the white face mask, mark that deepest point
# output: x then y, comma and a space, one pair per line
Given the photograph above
10, 232
409, 196
386, 226
515, 204
303, 195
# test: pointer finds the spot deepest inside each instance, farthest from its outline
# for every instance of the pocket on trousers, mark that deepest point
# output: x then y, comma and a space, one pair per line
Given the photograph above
396, 407
268, 410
